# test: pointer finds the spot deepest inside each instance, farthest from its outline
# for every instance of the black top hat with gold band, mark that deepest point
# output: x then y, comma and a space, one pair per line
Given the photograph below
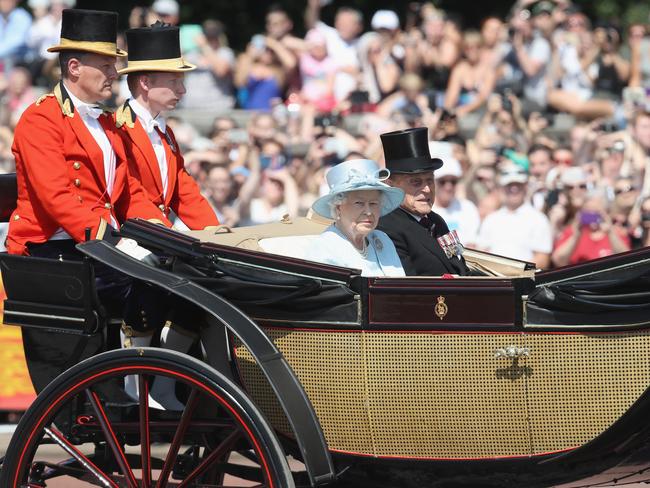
407, 151
93, 31
155, 48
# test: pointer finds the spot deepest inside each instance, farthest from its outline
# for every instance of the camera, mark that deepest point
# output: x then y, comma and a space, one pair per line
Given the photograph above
258, 42
608, 126
326, 121
590, 218
447, 116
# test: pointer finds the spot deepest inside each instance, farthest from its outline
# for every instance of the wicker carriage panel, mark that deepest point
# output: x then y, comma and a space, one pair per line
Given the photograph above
581, 384
330, 368
430, 395
445, 396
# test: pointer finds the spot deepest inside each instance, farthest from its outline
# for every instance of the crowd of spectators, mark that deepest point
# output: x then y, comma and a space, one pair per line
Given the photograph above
541, 117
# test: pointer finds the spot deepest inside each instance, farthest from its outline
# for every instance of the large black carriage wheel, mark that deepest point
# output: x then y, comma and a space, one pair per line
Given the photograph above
82, 431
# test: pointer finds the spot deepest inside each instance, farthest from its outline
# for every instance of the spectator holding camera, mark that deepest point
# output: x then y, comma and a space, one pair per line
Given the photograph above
431, 50
410, 98
15, 25
500, 128
277, 196
609, 71
318, 70
590, 235
210, 85
568, 199
471, 82
342, 42
262, 72
531, 53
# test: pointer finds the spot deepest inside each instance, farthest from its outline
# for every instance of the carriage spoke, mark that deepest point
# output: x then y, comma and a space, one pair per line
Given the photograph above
60, 439
227, 443
111, 440
178, 438
145, 438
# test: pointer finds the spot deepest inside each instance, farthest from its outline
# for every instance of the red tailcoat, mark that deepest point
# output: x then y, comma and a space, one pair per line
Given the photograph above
60, 173
183, 196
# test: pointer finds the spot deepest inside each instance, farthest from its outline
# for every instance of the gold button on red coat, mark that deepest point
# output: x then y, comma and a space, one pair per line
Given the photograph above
76, 165
162, 208
108, 205
77, 182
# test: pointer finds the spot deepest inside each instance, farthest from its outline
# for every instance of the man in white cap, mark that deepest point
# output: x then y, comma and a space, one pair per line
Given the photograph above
460, 214
386, 24
167, 11
517, 230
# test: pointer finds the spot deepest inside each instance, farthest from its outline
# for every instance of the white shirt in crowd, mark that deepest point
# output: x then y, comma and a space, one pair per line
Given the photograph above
462, 216
345, 53
535, 87
516, 234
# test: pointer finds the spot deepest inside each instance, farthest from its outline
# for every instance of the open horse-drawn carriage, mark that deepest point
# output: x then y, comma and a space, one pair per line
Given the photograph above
308, 374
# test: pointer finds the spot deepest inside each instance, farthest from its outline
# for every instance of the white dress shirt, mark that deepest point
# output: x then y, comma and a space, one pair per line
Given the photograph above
89, 114
149, 124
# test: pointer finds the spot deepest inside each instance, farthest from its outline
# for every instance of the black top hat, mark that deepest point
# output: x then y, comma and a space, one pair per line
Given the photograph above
92, 31
155, 48
407, 151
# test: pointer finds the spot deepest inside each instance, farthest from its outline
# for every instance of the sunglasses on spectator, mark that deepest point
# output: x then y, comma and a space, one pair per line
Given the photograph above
624, 189
582, 186
447, 181
564, 161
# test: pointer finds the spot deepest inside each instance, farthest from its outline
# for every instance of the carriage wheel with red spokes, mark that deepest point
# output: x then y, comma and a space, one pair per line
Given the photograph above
83, 431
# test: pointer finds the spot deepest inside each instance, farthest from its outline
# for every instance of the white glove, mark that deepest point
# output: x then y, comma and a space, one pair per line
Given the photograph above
133, 249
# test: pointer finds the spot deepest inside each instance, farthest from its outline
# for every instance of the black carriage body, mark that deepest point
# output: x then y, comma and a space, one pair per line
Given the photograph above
427, 379
423, 381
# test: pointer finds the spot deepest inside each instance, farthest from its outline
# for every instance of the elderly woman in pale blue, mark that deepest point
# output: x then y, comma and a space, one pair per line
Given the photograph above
357, 198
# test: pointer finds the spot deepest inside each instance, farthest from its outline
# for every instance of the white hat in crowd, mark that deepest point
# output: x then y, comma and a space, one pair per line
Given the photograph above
165, 7
573, 176
512, 174
450, 165
385, 19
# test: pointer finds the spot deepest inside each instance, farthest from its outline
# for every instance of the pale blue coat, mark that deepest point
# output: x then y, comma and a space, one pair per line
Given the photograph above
332, 247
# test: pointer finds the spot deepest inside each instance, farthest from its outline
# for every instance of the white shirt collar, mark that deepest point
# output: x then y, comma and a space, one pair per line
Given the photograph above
148, 122
83, 108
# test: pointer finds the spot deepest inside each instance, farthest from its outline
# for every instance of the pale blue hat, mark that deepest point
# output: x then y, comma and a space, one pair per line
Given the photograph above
355, 175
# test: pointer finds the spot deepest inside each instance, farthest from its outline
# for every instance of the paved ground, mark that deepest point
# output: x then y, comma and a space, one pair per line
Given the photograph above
55, 455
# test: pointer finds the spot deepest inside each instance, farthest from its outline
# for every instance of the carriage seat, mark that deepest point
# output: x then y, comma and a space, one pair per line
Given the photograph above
46, 293
293, 238
289, 237
51, 294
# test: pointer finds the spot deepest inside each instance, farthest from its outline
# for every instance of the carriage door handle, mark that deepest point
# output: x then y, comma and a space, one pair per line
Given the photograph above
512, 352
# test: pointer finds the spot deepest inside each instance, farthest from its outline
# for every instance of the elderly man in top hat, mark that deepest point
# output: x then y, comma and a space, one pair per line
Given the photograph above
155, 73
421, 237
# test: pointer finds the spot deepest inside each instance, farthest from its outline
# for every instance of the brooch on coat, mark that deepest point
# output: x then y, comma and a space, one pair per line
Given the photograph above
379, 246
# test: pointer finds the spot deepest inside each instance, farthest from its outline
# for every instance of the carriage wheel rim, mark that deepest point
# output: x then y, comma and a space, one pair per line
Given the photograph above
115, 371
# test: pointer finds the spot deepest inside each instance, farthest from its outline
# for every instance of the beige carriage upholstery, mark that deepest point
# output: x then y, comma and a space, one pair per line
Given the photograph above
292, 237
